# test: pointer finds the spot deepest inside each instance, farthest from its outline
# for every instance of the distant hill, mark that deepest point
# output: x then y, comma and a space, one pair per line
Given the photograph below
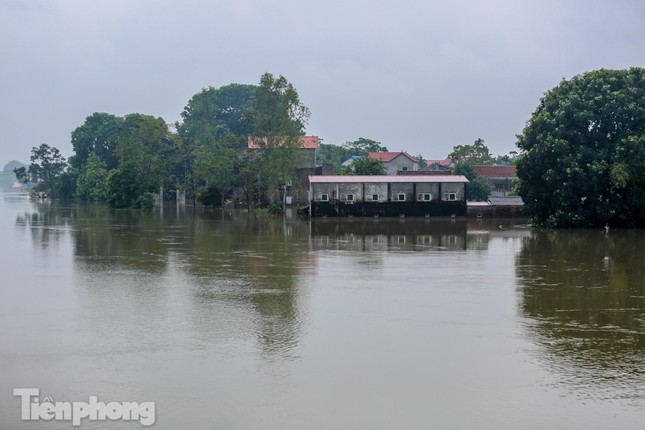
7, 176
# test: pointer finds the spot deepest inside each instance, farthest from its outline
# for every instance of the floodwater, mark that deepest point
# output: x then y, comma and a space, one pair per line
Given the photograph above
231, 321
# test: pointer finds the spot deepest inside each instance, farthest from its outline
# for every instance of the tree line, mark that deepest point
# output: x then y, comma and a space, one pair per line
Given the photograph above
126, 160
581, 160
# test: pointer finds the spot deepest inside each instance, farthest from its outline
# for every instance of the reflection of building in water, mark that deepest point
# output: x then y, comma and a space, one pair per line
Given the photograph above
388, 235
582, 293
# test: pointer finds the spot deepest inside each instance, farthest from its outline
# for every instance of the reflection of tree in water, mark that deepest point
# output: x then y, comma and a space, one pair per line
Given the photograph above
249, 260
48, 224
112, 239
585, 295
239, 266
233, 261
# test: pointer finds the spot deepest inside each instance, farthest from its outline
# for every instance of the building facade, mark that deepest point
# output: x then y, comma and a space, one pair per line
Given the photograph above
407, 195
395, 161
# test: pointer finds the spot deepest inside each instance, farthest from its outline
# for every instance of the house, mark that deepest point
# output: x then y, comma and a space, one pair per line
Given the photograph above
306, 157
501, 178
395, 161
350, 160
444, 165
388, 195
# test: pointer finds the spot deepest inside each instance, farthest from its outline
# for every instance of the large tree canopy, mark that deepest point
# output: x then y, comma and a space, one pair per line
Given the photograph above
364, 146
583, 152
99, 134
475, 154
215, 113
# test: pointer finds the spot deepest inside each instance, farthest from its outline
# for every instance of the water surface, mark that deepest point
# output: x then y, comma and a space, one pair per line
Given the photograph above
233, 321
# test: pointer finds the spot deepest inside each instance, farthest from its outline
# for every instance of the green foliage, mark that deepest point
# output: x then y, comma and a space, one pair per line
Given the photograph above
146, 147
99, 135
47, 168
277, 110
465, 169
583, 152
22, 174
215, 113
275, 208
145, 201
506, 160
475, 154
364, 146
65, 184
217, 168
92, 181
210, 197
122, 159
365, 166
334, 155
422, 162
279, 119
478, 188
122, 186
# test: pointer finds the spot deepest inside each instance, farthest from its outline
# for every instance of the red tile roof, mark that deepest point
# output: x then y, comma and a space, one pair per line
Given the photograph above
496, 171
446, 162
386, 157
306, 142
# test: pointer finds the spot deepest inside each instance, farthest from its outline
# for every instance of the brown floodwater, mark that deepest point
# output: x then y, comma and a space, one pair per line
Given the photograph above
234, 321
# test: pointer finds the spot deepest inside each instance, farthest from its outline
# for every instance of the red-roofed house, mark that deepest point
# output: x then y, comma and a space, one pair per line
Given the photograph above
395, 161
306, 154
440, 165
501, 177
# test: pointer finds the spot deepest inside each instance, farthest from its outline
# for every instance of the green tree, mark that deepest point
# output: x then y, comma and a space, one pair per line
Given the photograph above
217, 167
365, 166
92, 181
22, 174
334, 155
123, 187
47, 168
364, 146
145, 153
98, 135
212, 116
280, 119
583, 152
422, 162
215, 113
478, 188
475, 154
506, 160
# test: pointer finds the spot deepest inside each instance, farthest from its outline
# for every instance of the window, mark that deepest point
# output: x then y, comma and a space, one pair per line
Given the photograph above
450, 196
375, 197
349, 197
424, 197
324, 197
400, 197
404, 168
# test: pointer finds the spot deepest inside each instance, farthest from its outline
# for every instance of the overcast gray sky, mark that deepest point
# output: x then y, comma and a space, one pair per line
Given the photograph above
421, 76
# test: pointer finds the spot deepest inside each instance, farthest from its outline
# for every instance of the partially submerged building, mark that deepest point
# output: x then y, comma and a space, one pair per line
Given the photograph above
409, 195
